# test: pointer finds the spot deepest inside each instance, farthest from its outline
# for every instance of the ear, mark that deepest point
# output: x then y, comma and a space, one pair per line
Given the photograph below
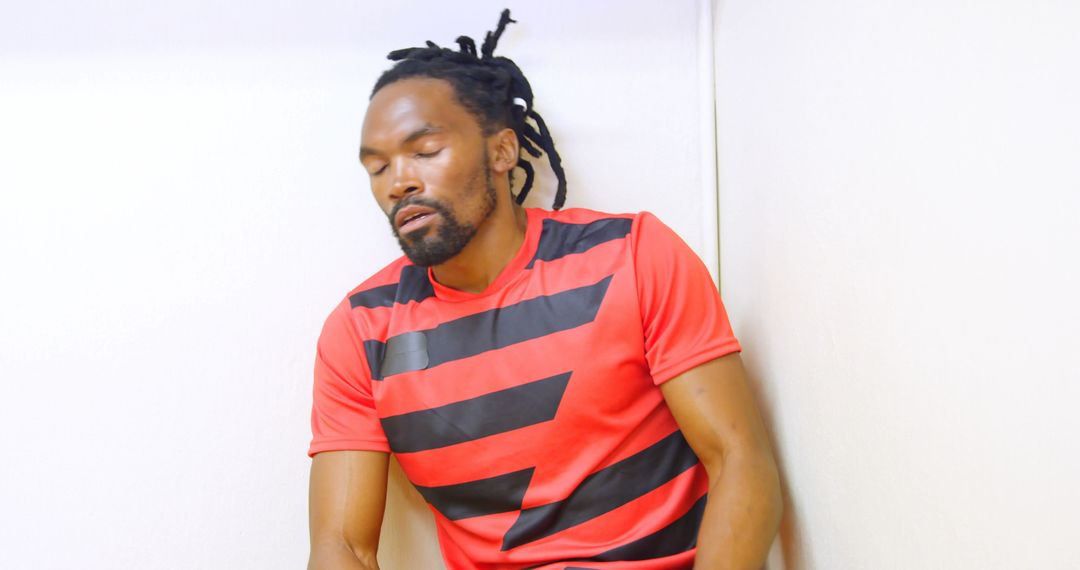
503, 151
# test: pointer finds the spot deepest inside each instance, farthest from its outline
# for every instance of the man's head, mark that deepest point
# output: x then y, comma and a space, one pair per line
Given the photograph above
447, 127
431, 167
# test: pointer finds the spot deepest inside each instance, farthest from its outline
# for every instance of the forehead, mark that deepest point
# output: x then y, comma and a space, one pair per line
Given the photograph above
405, 106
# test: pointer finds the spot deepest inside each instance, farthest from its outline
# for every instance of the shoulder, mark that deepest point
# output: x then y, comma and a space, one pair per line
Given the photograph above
635, 220
582, 215
578, 229
575, 223
647, 226
398, 282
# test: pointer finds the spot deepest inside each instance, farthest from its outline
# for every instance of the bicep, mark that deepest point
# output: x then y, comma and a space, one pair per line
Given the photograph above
347, 498
715, 410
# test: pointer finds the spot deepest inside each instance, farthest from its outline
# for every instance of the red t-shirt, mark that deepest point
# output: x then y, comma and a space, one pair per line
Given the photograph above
529, 415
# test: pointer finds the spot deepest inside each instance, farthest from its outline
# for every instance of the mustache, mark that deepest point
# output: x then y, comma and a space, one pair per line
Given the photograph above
435, 205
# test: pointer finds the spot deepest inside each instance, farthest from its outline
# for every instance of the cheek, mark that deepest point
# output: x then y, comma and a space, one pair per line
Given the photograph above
380, 200
442, 173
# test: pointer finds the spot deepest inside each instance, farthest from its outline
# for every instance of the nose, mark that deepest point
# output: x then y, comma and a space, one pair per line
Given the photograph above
404, 181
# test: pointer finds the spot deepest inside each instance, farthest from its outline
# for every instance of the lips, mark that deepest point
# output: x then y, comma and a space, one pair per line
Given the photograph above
412, 217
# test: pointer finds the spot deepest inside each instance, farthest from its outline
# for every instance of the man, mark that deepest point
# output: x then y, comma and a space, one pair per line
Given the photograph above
562, 387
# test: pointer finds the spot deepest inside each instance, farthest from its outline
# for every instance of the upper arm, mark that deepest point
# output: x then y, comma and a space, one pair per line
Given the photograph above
343, 414
346, 501
690, 348
349, 451
715, 410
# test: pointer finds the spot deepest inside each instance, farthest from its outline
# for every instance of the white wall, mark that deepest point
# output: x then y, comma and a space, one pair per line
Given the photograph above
181, 206
900, 198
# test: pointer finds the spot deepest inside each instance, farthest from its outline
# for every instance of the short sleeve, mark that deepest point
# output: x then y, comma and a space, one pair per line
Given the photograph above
343, 416
683, 318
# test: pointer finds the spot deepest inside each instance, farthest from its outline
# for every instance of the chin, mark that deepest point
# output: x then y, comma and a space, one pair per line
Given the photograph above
431, 251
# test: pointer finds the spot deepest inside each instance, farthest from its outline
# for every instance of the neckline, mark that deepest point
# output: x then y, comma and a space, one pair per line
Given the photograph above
524, 254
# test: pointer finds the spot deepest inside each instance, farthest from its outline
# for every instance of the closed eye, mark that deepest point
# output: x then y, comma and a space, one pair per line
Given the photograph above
428, 154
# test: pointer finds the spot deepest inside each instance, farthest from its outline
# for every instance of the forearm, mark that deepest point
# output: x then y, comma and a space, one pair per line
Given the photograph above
336, 555
742, 514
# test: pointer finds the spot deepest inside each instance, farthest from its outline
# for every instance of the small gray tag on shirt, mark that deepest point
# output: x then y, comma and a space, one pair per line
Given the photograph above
405, 353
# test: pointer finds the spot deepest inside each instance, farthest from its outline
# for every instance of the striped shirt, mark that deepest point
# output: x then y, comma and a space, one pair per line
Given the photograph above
529, 416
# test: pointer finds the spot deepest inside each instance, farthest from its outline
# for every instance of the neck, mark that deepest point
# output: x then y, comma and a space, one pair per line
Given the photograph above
495, 244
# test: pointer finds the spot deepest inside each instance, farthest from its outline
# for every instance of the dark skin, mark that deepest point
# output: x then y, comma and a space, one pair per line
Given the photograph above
419, 141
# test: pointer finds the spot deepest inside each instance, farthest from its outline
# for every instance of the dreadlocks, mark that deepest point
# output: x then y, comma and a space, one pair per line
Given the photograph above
492, 88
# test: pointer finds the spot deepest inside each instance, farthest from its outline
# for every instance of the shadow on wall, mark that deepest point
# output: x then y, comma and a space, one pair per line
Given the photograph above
786, 553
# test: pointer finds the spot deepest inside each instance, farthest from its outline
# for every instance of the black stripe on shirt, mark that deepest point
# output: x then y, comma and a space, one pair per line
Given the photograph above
499, 494
560, 239
489, 330
679, 536
605, 490
675, 538
482, 416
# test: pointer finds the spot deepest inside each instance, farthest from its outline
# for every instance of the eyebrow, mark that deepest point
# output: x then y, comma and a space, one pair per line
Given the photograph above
423, 131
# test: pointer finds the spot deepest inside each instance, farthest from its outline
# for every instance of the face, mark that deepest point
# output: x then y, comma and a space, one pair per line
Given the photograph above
428, 162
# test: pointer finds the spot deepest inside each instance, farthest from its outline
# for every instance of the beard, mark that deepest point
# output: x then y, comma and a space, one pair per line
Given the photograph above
451, 235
